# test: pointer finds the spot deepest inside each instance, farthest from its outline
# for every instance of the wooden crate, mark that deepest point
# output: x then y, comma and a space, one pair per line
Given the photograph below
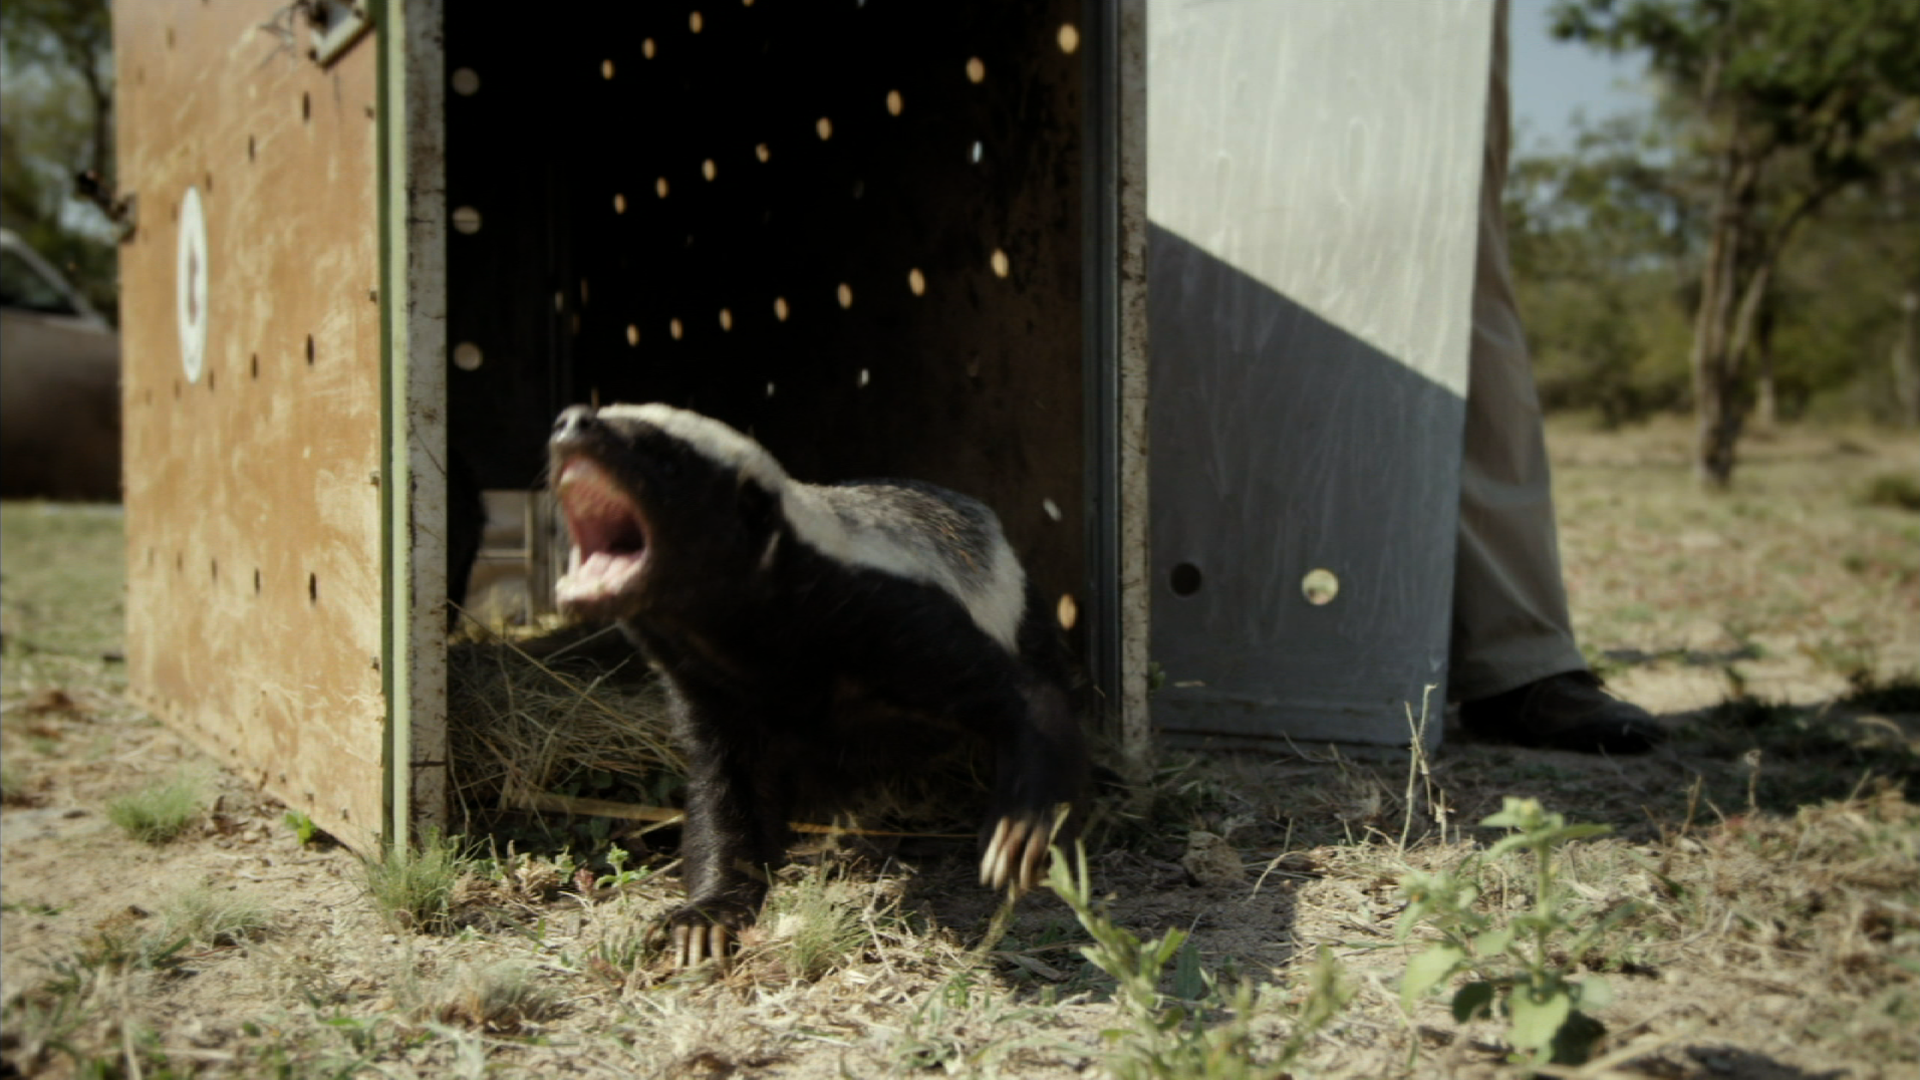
426, 245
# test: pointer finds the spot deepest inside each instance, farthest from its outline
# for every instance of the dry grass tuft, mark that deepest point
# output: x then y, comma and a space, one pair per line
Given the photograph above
159, 812
503, 998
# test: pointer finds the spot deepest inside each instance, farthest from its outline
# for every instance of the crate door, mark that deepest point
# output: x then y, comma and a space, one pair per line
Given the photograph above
1312, 180
251, 392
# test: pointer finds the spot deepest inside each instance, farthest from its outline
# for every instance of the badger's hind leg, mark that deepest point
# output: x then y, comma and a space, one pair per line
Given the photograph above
1040, 772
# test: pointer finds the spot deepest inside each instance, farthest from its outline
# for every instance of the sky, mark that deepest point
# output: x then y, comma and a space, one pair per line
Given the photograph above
1553, 82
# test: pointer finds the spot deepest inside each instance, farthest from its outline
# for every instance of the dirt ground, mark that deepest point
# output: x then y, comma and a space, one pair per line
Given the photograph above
1754, 911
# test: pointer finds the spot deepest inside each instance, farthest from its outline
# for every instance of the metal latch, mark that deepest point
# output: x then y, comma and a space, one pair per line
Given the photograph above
335, 26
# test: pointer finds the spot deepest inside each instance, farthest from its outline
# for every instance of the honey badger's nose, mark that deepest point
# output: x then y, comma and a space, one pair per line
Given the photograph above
575, 422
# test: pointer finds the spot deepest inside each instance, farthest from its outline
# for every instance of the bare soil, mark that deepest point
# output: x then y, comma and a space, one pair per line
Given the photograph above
1763, 868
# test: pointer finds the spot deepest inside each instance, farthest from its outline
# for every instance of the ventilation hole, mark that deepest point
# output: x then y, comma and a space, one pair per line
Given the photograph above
726, 319
179, 561
313, 588
894, 103
974, 154
999, 262
211, 374
846, 295
213, 569
823, 127
859, 188
176, 389
917, 282
660, 187
1185, 579
708, 169
209, 179
559, 302
695, 22
309, 350
762, 152
1069, 38
646, 48
1052, 508
1067, 611
633, 335
466, 82
976, 69
149, 556
574, 324
619, 203
780, 308
256, 581
674, 328
249, 148
863, 379
467, 356
1320, 586
606, 69
583, 292
466, 220
253, 365
169, 37
769, 389
306, 107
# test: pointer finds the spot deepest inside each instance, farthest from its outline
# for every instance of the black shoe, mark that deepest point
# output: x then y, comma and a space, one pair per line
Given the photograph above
1568, 711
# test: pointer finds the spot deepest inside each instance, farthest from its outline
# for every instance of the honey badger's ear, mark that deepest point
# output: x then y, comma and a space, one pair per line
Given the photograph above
759, 508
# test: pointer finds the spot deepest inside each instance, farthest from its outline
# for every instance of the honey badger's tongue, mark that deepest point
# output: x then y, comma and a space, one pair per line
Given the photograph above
609, 538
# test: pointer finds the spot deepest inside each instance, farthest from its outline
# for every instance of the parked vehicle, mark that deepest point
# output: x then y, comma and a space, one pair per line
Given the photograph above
59, 385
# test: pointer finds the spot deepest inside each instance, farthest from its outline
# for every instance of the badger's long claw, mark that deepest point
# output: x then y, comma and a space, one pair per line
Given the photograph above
695, 944
1013, 857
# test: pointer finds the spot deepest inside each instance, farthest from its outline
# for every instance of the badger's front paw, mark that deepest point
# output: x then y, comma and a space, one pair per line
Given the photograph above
1016, 853
698, 933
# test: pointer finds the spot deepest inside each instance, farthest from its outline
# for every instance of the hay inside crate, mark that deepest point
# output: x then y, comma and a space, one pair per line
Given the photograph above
578, 726
577, 723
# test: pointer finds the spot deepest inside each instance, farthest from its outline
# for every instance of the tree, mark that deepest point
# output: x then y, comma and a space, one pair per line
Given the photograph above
58, 101
1792, 102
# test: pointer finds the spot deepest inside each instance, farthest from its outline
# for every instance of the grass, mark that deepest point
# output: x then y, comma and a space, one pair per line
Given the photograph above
214, 917
160, 811
501, 998
1900, 490
413, 889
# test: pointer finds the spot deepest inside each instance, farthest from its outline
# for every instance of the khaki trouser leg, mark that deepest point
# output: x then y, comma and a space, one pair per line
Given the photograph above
1510, 622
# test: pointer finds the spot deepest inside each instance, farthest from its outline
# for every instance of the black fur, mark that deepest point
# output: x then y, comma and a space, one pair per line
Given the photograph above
796, 677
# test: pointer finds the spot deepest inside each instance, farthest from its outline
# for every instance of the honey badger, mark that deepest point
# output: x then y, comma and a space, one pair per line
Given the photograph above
812, 636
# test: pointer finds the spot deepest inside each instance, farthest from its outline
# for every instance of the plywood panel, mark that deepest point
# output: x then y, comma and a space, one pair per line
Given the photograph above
1313, 171
253, 504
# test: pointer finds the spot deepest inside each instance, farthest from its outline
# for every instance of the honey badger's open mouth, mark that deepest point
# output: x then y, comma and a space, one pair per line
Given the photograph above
609, 537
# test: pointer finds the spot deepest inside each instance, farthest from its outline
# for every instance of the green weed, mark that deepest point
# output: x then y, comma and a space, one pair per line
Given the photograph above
1168, 1039
1515, 973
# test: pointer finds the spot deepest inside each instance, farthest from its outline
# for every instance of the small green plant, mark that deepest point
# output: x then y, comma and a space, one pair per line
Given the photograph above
413, 889
621, 877
159, 812
303, 827
1169, 1039
1515, 974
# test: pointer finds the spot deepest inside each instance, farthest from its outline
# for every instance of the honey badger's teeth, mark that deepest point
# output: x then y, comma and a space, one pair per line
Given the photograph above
609, 536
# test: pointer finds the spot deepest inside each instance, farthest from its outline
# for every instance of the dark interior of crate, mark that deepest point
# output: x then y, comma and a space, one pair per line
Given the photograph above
853, 229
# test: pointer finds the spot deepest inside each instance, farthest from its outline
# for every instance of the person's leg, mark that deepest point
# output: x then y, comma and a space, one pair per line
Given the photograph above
1514, 663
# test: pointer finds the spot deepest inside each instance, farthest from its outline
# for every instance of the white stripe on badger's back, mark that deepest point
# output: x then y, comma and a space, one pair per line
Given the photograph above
890, 527
926, 534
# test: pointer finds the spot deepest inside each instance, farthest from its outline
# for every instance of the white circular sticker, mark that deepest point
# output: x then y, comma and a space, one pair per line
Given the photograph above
190, 286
